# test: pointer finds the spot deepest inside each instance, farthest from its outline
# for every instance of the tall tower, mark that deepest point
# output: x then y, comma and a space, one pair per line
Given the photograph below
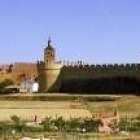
49, 55
51, 69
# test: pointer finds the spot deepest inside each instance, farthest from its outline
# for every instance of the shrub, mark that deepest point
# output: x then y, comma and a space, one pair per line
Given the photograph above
15, 119
6, 83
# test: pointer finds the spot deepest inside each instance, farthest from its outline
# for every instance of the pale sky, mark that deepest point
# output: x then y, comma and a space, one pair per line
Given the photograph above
94, 31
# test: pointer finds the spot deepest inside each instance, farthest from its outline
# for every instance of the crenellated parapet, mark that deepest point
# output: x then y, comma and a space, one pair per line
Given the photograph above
40, 65
68, 63
66, 76
106, 65
5, 68
76, 67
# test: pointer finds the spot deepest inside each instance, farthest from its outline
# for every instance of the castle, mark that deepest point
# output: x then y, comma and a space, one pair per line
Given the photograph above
79, 77
76, 77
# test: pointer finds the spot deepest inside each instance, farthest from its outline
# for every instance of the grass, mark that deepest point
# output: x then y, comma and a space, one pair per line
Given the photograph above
126, 105
27, 105
58, 97
99, 136
62, 136
96, 104
27, 109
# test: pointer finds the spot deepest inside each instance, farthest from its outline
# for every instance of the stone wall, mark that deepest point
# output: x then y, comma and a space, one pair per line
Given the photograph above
24, 67
75, 76
105, 78
17, 71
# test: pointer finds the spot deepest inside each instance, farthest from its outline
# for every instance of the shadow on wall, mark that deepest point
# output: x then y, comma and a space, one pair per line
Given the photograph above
41, 76
104, 85
76, 81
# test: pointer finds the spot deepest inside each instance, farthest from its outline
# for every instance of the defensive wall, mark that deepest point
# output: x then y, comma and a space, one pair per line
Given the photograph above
129, 68
18, 71
81, 77
77, 76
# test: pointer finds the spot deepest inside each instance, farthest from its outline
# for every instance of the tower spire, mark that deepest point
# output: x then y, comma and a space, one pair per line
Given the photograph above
49, 41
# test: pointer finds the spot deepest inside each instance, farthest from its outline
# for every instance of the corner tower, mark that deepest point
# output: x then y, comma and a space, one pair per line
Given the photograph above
49, 55
51, 69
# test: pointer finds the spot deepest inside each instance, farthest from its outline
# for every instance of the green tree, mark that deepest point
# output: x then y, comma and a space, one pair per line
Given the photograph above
92, 124
15, 119
5, 83
47, 124
74, 124
59, 123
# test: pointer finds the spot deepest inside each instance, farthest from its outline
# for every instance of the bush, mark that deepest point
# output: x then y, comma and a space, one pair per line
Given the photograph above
15, 119
4, 84
131, 126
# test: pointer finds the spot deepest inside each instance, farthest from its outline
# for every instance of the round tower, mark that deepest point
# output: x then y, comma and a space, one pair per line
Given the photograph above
49, 55
51, 69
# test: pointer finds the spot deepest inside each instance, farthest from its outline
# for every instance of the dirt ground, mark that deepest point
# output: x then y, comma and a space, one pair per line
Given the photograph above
28, 109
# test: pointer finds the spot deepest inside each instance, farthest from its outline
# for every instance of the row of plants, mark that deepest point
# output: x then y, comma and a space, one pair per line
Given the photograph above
59, 124
71, 125
51, 125
129, 124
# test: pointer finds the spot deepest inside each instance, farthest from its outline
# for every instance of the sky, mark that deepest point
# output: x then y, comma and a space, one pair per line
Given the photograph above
93, 31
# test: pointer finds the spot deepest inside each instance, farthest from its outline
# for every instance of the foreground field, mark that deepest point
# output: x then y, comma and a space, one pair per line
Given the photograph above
28, 105
28, 109
126, 105
76, 136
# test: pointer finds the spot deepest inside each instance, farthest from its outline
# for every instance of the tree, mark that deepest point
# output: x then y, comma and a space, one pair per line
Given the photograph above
47, 124
92, 124
15, 119
74, 124
59, 123
6, 83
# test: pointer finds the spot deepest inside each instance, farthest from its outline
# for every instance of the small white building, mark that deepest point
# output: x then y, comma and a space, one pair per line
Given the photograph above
35, 87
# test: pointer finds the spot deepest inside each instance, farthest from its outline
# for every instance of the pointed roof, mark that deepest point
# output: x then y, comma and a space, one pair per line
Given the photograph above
49, 46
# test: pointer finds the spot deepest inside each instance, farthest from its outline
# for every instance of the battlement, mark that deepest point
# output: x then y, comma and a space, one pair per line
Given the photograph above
5, 68
126, 68
81, 64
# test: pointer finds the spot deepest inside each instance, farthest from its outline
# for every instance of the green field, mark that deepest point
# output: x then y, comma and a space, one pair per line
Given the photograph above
126, 105
27, 105
97, 104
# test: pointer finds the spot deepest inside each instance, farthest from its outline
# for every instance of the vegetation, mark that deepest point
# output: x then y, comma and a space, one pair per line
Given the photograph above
129, 124
60, 97
15, 119
127, 105
51, 125
4, 84
18, 127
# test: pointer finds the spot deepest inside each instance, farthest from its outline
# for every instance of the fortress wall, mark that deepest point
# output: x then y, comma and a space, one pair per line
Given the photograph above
48, 77
5, 76
105, 69
17, 71
24, 68
123, 78
116, 85
41, 75
11, 76
108, 65
52, 78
